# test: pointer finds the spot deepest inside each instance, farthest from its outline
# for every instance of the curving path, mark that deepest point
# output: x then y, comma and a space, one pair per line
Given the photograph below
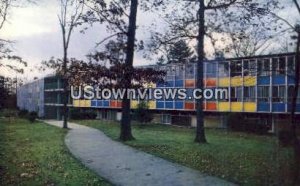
124, 165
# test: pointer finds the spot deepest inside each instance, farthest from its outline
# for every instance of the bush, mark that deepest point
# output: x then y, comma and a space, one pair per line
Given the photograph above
32, 116
142, 113
23, 113
77, 114
285, 137
9, 113
238, 122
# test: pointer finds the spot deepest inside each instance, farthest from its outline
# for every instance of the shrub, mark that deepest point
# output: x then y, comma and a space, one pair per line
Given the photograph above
142, 113
22, 113
238, 122
32, 116
285, 137
77, 114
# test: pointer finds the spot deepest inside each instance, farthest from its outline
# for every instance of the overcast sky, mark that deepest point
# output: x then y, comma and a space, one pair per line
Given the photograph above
37, 34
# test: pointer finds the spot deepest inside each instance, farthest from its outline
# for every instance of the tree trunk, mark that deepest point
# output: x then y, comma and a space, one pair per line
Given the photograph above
125, 133
296, 143
200, 133
65, 87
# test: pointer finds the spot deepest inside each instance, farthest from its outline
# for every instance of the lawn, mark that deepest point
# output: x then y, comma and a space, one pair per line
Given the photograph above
35, 154
245, 159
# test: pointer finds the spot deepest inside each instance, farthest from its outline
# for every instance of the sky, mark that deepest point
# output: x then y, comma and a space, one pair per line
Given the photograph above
36, 32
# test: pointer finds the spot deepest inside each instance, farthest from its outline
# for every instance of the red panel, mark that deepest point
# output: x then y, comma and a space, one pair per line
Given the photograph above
211, 106
113, 104
211, 82
189, 105
119, 104
190, 83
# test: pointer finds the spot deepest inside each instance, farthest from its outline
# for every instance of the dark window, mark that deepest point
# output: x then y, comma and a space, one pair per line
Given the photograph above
263, 93
282, 65
278, 94
249, 94
275, 66
291, 65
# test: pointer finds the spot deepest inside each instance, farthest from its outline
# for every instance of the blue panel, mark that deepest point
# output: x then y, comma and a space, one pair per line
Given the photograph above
169, 105
291, 80
160, 84
297, 108
263, 80
179, 83
99, 103
106, 103
160, 104
278, 80
189, 94
94, 103
170, 84
278, 107
179, 105
263, 107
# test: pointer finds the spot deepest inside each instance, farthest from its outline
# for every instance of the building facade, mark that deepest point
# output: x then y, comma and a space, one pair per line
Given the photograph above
259, 87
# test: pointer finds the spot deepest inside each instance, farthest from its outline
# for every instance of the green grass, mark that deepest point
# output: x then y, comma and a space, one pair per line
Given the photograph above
246, 159
35, 154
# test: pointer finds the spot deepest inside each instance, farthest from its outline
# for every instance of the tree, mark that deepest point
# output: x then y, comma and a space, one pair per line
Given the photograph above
249, 42
210, 19
120, 17
69, 18
295, 28
7, 59
142, 113
180, 52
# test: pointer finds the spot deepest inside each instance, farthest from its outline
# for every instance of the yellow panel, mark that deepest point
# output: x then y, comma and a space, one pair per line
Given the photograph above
81, 103
134, 104
236, 81
224, 82
149, 85
249, 80
223, 106
87, 103
249, 107
76, 103
237, 106
152, 104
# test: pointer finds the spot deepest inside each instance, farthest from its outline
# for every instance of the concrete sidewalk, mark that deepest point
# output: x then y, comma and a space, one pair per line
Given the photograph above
123, 165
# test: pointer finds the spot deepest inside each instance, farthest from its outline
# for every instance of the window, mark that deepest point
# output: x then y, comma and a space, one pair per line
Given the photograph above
189, 71
236, 68
179, 72
170, 73
278, 94
253, 68
266, 67
223, 69
278, 66
282, 66
249, 94
260, 64
211, 69
166, 119
291, 65
290, 94
246, 68
263, 93
275, 66
236, 94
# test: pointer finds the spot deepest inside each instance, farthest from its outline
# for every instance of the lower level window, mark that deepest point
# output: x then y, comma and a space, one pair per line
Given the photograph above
166, 119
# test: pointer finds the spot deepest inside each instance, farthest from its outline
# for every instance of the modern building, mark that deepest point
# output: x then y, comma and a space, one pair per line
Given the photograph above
259, 87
